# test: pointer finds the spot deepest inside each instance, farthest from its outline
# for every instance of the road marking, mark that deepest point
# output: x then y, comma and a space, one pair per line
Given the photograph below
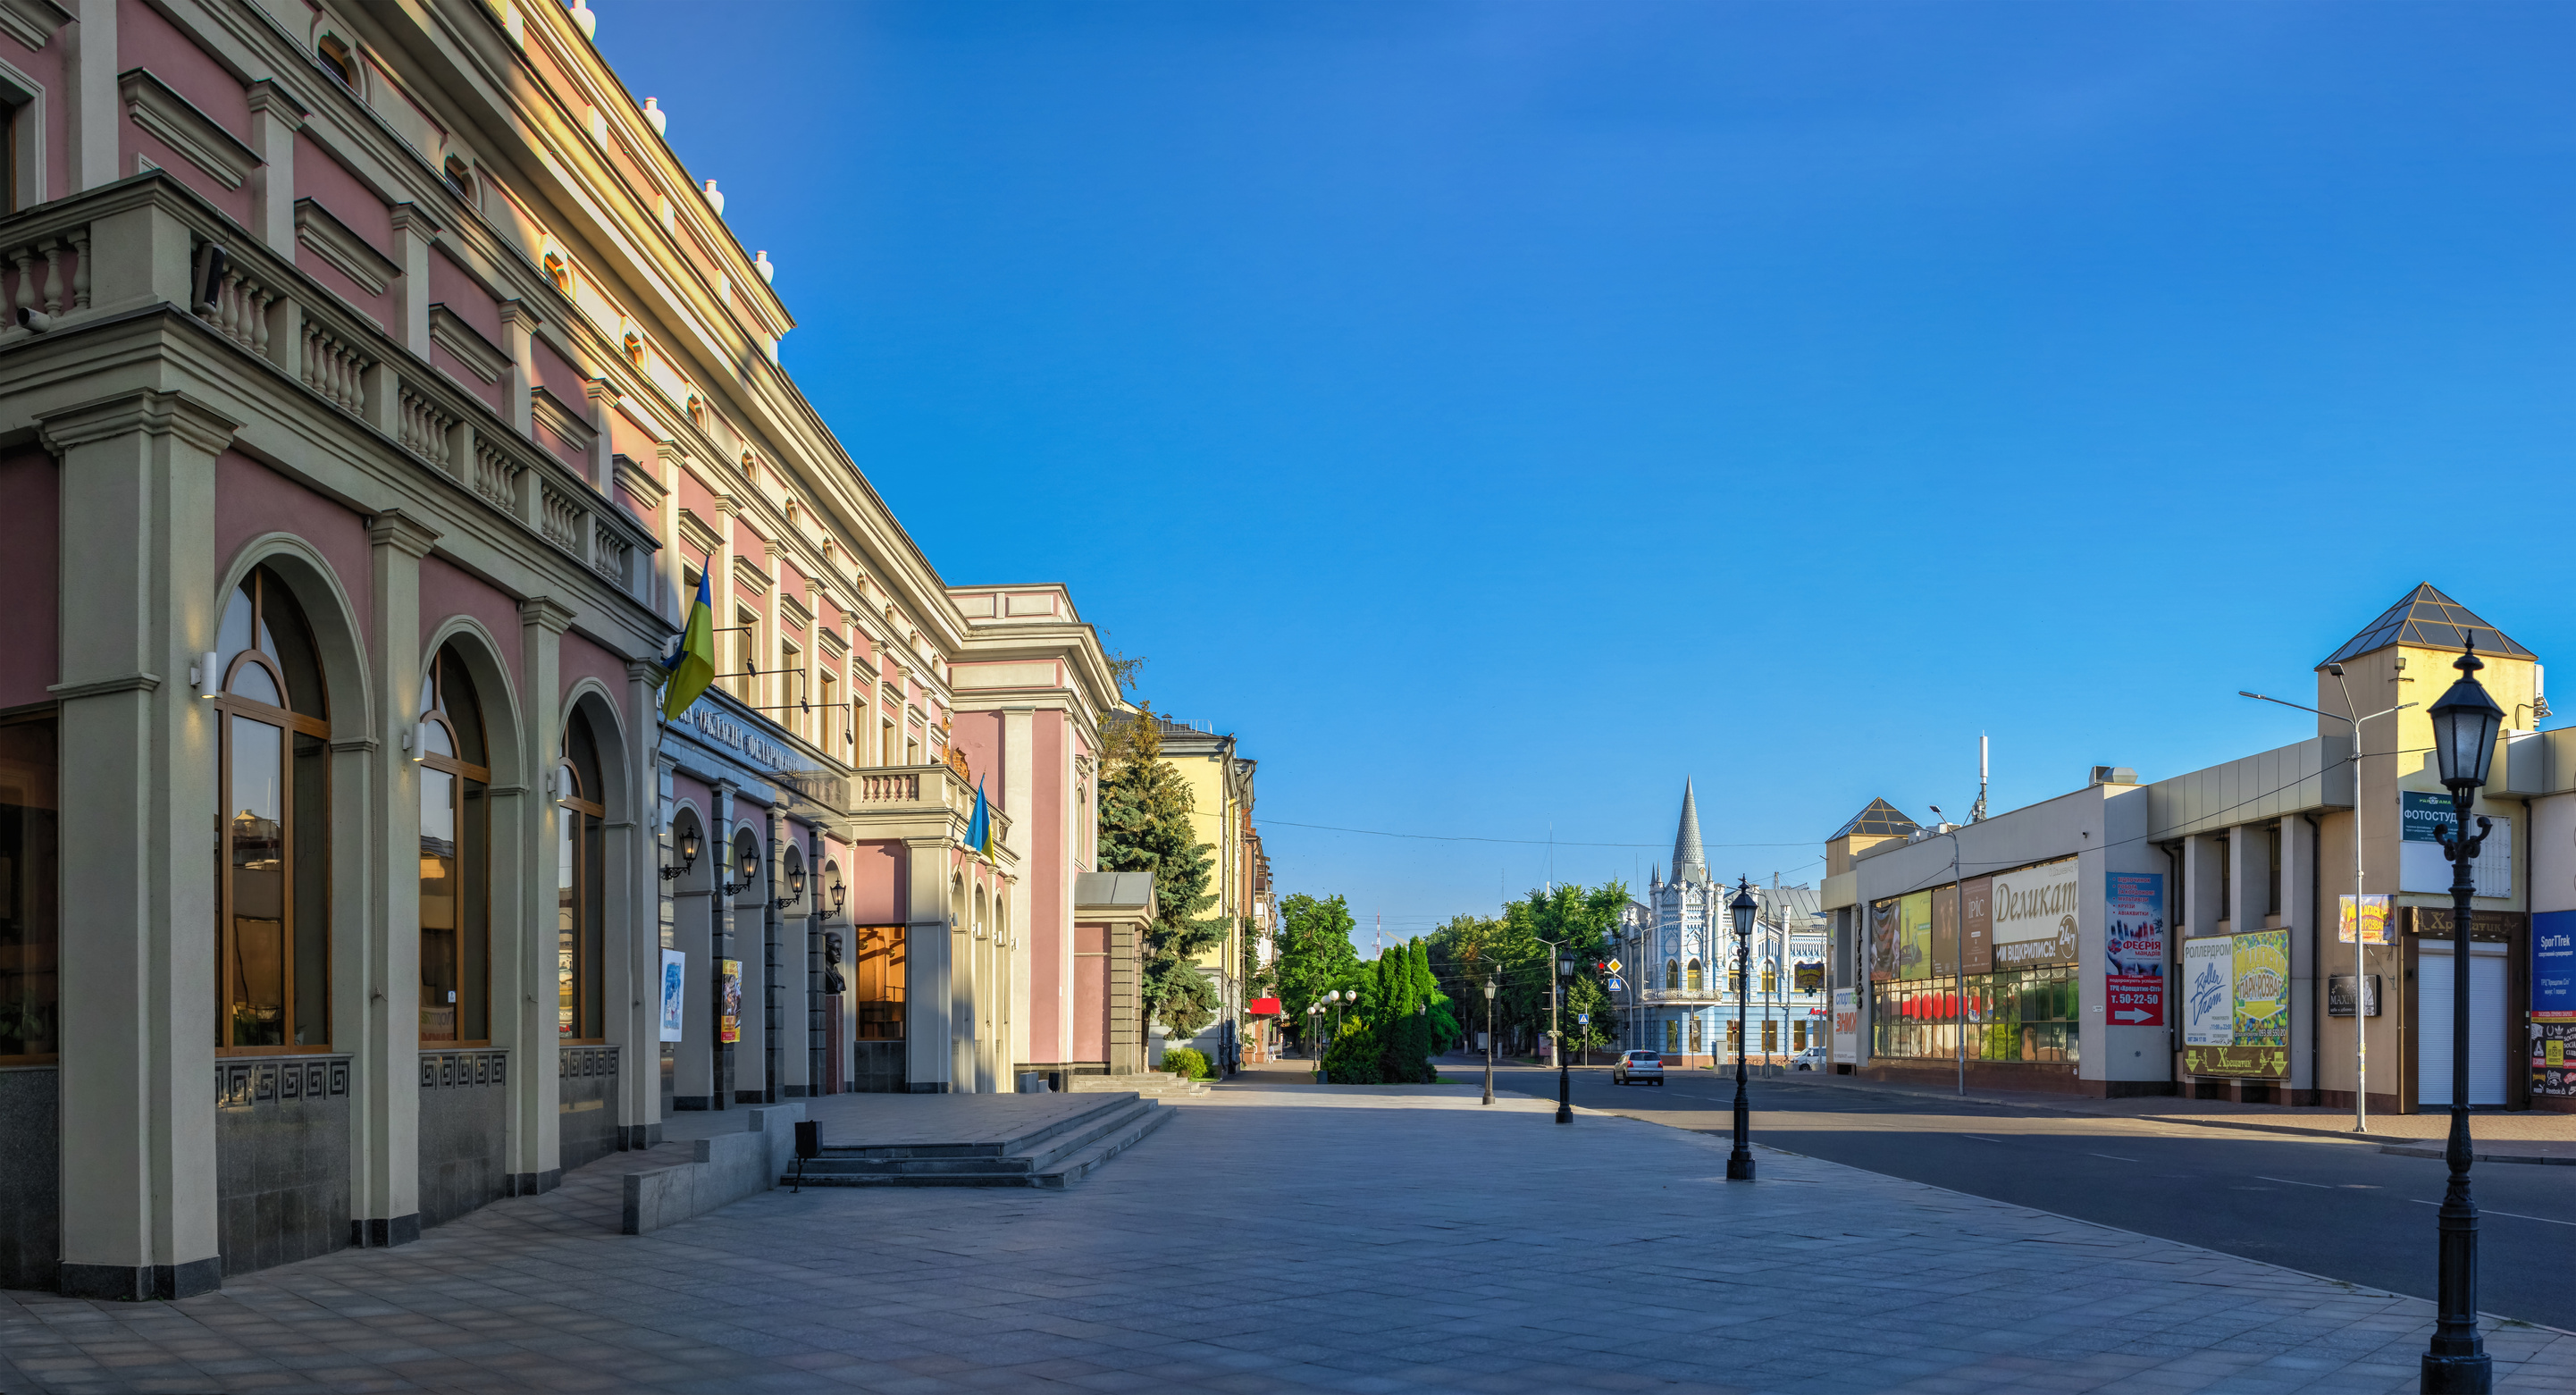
2517, 1215
1981, 1138
2113, 1157
2320, 1186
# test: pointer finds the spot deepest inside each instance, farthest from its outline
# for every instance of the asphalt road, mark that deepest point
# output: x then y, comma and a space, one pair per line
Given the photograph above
2343, 1210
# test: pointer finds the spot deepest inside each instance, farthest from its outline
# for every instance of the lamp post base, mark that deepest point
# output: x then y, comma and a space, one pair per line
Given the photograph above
2458, 1375
1739, 1168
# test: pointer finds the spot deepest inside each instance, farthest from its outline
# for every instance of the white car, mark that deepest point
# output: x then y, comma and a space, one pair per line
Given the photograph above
1813, 1058
1637, 1068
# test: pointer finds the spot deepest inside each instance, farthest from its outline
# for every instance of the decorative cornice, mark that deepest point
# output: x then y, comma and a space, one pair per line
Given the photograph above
107, 687
553, 415
546, 612
149, 413
396, 529
177, 123
515, 314
348, 253
272, 101
644, 670
638, 481
479, 355
363, 745
696, 533
32, 22
745, 569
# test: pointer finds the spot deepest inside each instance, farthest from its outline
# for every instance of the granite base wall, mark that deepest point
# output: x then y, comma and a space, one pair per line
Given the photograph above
464, 1132
877, 1069
31, 1176
587, 1104
281, 1159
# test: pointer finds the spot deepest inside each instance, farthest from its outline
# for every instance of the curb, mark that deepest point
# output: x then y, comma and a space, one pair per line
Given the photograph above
2437, 1151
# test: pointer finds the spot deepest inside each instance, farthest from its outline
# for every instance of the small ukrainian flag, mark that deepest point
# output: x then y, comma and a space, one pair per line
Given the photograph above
979, 829
693, 664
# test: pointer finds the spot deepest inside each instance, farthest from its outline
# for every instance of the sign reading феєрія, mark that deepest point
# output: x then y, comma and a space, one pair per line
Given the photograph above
2133, 948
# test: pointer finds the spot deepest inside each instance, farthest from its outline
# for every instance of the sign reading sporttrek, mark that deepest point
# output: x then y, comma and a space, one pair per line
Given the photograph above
2035, 912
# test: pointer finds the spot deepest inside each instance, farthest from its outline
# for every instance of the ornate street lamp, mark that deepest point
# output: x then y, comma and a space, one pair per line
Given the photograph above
1315, 1035
840, 892
1489, 1041
1564, 1076
1739, 1163
2464, 733
688, 853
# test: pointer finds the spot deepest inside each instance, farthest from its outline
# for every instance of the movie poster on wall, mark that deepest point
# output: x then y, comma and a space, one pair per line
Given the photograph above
1915, 949
1885, 921
1977, 924
2035, 916
2133, 943
2236, 1005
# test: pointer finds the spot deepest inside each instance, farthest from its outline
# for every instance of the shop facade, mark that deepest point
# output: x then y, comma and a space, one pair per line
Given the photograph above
2200, 934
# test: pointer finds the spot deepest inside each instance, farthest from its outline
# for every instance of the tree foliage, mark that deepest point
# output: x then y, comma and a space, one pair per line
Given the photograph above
1512, 952
1315, 955
1145, 827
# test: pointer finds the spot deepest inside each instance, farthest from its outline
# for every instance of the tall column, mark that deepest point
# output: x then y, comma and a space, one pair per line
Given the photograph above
818, 906
1035, 834
2308, 921
634, 871
138, 945
669, 462
667, 920
720, 946
96, 113
790, 1035
536, 1090
384, 1080
929, 1066
518, 340
275, 117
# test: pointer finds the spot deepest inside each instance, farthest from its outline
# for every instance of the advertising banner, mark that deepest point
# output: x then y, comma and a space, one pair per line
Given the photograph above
675, 978
1915, 949
2553, 966
2373, 919
1808, 976
2208, 991
1846, 1027
2133, 944
1977, 924
2339, 995
2236, 1004
2035, 915
1885, 921
2422, 821
729, 1000
1945, 931
2553, 1072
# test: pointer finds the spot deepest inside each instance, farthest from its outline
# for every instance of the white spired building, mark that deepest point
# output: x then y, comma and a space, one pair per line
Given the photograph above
1684, 951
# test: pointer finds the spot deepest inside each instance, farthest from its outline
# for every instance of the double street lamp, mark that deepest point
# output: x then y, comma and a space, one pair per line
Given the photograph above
1489, 1040
2464, 734
1739, 1163
1315, 1035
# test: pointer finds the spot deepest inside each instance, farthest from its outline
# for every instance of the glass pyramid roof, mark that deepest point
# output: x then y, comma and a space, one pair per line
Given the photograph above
2428, 619
1879, 820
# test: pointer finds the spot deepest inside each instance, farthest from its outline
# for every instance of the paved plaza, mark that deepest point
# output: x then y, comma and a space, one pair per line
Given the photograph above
1279, 1236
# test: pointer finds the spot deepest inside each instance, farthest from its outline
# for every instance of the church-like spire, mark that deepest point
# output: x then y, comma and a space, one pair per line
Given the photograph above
1690, 861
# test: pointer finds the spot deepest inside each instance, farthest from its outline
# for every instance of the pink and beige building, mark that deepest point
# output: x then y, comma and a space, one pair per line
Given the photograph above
375, 385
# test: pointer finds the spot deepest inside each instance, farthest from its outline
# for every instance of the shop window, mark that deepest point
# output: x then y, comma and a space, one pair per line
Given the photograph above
1797, 1036
455, 858
273, 831
1770, 1036
878, 981
580, 881
1693, 976
1673, 1037
30, 892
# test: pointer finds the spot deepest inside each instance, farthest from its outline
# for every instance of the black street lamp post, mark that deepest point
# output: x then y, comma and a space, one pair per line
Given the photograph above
1739, 1163
1564, 1075
2464, 733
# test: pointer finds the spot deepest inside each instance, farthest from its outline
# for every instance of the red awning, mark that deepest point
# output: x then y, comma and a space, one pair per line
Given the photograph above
1263, 1007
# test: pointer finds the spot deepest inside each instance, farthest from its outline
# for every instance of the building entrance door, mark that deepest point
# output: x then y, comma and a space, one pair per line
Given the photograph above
2433, 1026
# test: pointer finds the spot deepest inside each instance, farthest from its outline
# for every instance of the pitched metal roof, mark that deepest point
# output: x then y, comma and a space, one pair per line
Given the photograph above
1880, 820
1690, 861
2427, 619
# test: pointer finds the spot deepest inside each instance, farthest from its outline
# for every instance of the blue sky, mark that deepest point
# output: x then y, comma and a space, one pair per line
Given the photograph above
1496, 412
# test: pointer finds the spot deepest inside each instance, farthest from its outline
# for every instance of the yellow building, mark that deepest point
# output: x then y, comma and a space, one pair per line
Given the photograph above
1221, 793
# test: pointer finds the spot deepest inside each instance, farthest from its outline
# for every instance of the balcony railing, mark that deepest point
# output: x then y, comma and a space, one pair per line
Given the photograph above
149, 239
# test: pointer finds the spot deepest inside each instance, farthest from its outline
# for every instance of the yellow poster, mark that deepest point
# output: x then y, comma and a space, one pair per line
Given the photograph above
2374, 920
2262, 988
1917, 947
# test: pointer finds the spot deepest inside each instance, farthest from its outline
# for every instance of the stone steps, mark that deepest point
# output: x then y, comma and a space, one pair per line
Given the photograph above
1150, 1084
1055, 1156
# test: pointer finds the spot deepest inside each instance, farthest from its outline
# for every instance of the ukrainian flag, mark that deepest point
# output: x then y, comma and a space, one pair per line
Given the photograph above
979, 829
693, 664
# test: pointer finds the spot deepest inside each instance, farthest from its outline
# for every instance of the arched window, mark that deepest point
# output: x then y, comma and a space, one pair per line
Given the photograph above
460, 177
635, 349
581, 911
1694, 976
559, 272
338, 60
273, 831
455, 857
1673, 974
1770, 979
